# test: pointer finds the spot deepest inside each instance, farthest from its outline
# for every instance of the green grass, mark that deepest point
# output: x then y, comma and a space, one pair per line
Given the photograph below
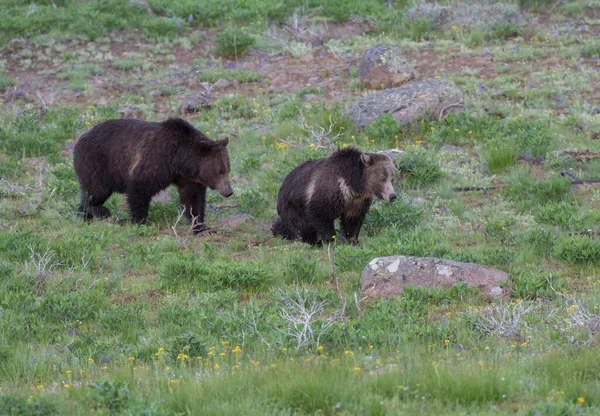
107, 317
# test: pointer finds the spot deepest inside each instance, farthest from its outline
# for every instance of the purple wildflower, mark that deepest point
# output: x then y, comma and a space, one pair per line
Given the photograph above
557, 99
482, 87
266, 59
190, 19
71, 332
34, 360
218, 311
444, 210
69, 360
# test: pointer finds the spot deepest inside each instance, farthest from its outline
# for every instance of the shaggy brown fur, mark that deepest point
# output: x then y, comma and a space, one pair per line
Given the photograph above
141, 158
342, 186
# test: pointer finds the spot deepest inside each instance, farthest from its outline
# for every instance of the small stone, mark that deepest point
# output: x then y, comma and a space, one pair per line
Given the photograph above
418, 201
279, 79
221, 84
309, 57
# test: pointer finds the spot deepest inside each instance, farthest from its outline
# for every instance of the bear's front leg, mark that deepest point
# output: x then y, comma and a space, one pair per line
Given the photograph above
353, 218
192, 196
351, 227
138, 198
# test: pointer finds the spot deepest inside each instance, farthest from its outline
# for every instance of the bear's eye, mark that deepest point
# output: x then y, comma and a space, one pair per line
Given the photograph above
221, 172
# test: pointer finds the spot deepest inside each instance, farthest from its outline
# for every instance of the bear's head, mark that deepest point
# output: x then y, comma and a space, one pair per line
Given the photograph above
379, 173
214, 167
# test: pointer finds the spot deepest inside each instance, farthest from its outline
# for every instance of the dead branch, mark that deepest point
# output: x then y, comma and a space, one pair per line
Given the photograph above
336, 282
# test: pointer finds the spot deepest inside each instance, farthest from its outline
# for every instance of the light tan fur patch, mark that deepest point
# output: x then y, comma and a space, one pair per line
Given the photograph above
136, 161
310, 191
346, 190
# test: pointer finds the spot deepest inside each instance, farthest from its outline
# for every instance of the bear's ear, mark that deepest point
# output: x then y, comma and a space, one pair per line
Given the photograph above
366, 159
224, 142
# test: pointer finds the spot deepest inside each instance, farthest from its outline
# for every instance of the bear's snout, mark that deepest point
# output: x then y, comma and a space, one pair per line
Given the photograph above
227, 192
393, 197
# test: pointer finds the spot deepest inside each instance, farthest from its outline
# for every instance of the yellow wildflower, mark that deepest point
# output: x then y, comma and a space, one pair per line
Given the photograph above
580, 400
131, 359
67, 386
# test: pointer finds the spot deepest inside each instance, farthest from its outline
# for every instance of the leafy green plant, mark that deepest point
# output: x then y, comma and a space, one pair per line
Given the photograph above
418, 169
578, 250
499, 156
233, 42
252, 202
383, 129
398, 214
507, 30
302, 269
6, 81
525, 189
499, 227
419, 28
109, 394
528, 285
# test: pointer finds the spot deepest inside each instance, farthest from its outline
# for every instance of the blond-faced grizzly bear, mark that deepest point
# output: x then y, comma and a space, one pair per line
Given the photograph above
141, 158
342, 186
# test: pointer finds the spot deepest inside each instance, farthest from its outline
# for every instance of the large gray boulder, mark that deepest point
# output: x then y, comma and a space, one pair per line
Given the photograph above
384, 66
432, 98
387, 276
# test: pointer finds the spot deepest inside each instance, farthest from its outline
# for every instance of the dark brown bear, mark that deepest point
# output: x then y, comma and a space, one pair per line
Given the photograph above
342, 185
141, 158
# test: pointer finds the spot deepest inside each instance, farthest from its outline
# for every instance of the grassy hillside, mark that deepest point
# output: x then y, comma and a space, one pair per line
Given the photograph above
112, 318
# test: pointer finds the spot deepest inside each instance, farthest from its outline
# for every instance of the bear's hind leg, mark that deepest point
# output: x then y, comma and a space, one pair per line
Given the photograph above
324, 229
93, 207
309, 235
